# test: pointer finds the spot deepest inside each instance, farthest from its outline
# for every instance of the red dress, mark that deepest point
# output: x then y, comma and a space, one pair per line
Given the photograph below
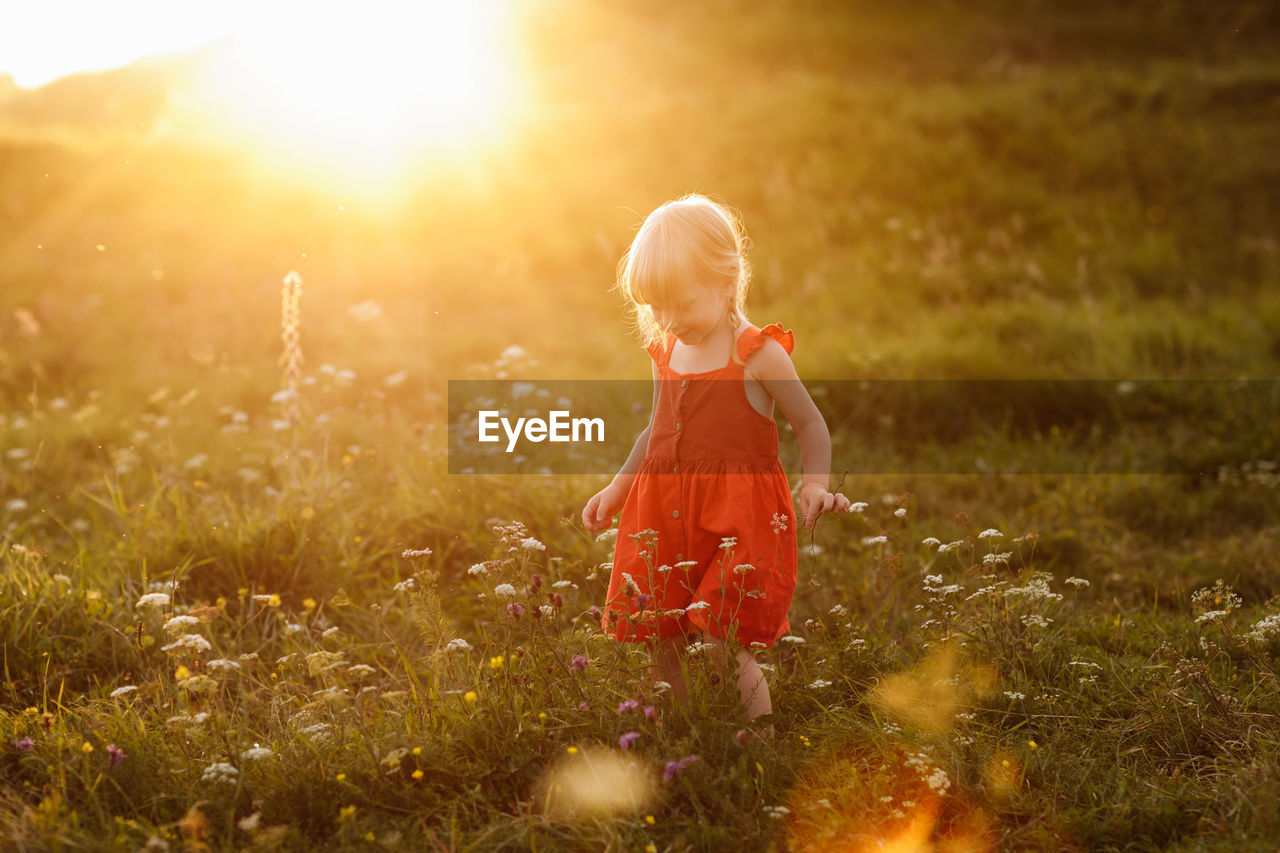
707, 537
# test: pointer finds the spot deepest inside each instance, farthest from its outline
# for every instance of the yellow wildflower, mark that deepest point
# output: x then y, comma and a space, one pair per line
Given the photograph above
495, 662
181, 673
346, 813
470, 696
417, 774
86, 747
341, 777
309, 603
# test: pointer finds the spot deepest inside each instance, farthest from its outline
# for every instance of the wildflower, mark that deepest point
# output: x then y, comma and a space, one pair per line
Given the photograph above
535, 582
531, 544
496, 661
346, 813
417, 775
776, 812
153, 599
791, 638
573, 750
858, 506
627, 739
478, 569
875, 540
222, 663
642, 601
1077, 582
220, 771
179, 624
743, 568
649, 819
123, 691
405, 585
458, 645
361, 669
24, 744
469, 696
991, 533
556, 600
608, 536
997, 559
271, 600
256, 753
698, 605
505, 590
779, 522
728, 542
820, 683
1032, 744
189, 643
547, 610
676, 766
900, 512
1014, 695
579, 663
16, 505
410, 553
628, 705
931, 542
516, 609
1210, 616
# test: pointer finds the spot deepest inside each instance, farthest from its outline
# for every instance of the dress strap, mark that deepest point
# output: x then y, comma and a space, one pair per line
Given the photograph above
660, 351
752, 339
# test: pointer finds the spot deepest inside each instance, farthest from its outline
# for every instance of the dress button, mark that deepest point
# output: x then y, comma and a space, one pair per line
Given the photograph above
675, 513
679, 558
684, 382
677, 426
675, 469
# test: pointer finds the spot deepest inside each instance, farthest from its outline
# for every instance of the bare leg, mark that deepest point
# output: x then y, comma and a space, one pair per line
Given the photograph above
753, 690
668, 658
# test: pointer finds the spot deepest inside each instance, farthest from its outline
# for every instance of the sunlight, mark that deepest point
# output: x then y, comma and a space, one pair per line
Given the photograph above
362, 94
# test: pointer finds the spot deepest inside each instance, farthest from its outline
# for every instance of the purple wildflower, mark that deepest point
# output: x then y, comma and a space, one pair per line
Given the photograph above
582, 706
674, 767
648, 711
115, 754
516, 609
627, 739
579, 663
556, 600
628, 705
25, 744
642, 601
535, 582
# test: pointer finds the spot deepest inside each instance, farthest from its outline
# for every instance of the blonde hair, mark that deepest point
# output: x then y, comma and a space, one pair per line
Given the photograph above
692, 240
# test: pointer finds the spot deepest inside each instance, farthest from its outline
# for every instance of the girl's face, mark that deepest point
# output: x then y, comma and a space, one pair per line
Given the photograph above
694, 314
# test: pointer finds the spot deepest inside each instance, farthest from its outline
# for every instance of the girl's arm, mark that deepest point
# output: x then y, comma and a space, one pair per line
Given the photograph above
773, 368
606, 503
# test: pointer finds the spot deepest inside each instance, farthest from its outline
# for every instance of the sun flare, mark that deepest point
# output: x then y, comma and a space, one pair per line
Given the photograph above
363, 90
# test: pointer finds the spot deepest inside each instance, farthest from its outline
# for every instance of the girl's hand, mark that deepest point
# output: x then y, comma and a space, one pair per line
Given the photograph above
815, 500
604, 505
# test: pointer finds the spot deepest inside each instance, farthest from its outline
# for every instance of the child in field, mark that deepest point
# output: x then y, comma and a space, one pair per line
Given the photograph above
707, 538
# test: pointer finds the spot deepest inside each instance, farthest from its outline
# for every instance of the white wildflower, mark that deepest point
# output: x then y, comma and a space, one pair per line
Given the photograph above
875, 540
410, 553
179, 624
792, 639
900, 512
257, 753
1035, 620
360, 670
220, 771
531, 544
698, 605
223, 663
1015, 695
858, 506
547, 610
16, 505
505, 590
728, 542
153, 599
1210, 616
188, 643
608, 536
818, 684
458, 645
123, 691
1077, 582
743, 568
931, 542
405, 585
478, 570
991, 533
812, 549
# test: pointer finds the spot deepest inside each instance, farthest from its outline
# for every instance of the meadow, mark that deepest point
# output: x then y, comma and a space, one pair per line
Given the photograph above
244, 604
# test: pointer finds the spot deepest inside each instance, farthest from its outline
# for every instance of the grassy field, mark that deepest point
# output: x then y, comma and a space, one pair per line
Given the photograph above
235, 619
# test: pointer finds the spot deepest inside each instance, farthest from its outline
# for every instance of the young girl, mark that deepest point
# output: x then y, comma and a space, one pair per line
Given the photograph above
707, 539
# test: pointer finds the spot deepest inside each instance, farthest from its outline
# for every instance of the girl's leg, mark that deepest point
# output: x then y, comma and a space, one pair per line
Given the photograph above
668, 663
753, 690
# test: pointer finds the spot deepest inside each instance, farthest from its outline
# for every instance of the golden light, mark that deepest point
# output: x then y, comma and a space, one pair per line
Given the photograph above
362, 91
595, 782
929, 696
